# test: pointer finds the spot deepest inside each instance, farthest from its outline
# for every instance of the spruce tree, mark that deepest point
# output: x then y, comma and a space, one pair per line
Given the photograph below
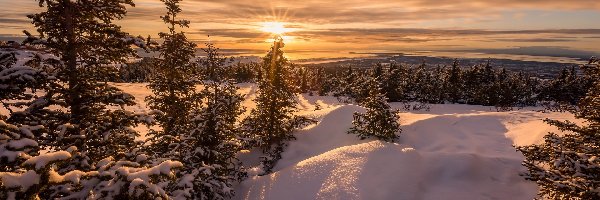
272, 123
209, 146
320, 83
345, 92
567, 166
395, 83
84, 47
174, 92
379, 121
18, 142
200, 129
454, 83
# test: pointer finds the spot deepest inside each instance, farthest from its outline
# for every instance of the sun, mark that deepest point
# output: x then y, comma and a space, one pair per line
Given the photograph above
275, 28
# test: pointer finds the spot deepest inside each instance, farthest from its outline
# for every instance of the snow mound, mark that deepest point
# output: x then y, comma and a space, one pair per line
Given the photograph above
465, 152
323, 137
378, 170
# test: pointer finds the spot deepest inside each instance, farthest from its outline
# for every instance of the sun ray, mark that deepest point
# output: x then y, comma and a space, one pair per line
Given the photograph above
276, 28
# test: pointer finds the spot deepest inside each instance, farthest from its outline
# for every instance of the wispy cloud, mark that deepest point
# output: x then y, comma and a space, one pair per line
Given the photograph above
356, 24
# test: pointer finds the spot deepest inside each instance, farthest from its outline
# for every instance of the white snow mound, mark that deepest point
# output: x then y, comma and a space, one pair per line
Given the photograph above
450, 152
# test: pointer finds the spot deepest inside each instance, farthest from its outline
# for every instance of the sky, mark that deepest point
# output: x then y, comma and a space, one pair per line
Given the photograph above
313, 28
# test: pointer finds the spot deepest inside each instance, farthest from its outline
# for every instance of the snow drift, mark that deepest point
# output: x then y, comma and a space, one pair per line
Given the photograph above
451, 152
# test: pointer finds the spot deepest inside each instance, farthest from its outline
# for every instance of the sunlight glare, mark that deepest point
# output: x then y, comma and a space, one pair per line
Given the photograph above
276, 28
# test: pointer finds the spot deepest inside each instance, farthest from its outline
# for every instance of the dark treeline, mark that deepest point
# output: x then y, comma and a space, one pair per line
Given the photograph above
477, 85
482, 84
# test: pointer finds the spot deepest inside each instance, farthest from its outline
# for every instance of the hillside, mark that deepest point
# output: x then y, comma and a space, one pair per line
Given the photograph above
449, 152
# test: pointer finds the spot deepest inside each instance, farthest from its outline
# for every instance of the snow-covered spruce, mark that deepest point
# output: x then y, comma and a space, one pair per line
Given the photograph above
379, 121
568, 166
272, 123
198, 128
112, 180
77, 118
17, 144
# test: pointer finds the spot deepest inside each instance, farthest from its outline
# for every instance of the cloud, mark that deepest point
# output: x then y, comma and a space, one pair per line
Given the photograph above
356, 24
554, 51
543, 40
352, 11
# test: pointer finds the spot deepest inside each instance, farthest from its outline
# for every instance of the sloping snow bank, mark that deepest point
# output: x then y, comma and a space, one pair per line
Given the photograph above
450, 152
378, 170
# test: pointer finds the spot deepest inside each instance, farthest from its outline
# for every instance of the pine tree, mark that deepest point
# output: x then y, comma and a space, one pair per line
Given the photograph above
91, 126
320, 83
563, 92
174, 85
379, 121
454, 83
212, 66
304, 80
18, 142
395, 83
199, 128
272, 123
568, 166
209, 147
86, 45
346, 85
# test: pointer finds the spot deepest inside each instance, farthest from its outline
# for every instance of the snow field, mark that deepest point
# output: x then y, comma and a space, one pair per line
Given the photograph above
449, 152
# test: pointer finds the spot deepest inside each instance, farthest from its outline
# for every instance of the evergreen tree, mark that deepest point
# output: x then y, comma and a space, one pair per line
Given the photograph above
395, 83
272, 123
18, 142
71, 149
346, 83
454, 85
212, 66
137, 72
174, 87
319, 82
304, 80
379, 121
85, 46
563, 92
210, 144
568, 166
199, 128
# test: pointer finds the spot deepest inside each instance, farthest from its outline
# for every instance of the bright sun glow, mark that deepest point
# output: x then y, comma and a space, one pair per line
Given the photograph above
276, 28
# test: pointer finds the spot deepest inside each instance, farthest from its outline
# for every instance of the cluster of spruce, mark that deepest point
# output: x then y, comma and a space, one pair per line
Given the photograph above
477, 85
142, 70
567, 165
481, 84
68, 134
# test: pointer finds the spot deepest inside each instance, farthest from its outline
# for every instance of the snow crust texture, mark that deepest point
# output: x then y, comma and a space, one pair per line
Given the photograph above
450, 152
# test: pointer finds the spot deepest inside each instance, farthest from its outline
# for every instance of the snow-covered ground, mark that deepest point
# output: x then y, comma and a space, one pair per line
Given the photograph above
449, 152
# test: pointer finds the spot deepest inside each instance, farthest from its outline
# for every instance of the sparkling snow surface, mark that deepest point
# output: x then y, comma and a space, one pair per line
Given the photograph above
449, 152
